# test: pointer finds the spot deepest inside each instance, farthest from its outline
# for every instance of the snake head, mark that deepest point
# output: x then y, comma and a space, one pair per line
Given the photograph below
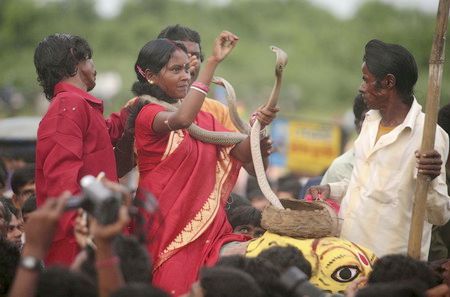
218, 81
282, 59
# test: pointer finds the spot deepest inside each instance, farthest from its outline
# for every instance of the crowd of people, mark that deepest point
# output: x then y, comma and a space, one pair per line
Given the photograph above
183, 232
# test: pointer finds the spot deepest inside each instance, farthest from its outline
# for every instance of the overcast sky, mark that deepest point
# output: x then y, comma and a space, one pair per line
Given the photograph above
341, 8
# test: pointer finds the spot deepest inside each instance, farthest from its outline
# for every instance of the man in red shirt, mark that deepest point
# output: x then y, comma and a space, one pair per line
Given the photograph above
73, 139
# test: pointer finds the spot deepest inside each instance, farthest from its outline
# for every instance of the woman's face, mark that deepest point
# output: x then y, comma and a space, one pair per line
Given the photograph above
174, 78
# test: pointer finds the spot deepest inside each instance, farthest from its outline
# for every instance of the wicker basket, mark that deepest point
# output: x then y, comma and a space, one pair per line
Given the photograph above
301, 219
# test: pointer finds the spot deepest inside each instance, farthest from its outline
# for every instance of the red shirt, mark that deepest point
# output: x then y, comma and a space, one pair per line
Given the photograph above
73, 140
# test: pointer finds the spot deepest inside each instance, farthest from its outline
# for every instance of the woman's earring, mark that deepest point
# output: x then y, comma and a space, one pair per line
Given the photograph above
151, 82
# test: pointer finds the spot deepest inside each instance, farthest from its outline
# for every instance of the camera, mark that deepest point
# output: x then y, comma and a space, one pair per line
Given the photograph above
97, 200
296, 281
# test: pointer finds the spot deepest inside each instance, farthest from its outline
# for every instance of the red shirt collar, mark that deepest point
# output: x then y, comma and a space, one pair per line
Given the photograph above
66, 87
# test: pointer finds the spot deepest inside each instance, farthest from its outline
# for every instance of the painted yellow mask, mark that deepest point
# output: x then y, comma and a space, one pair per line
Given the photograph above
335, 262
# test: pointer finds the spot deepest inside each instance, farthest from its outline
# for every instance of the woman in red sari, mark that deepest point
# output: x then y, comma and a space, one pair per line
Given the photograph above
190, 179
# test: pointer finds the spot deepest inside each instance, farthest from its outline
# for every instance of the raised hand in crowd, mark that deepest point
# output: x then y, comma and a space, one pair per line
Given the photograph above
110, 277
319, 192
223, 45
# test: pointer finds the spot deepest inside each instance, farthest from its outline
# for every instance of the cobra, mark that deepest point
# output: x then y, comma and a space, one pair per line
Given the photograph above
230, 138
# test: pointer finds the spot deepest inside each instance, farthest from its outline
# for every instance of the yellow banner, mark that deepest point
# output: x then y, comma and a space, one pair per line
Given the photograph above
312, 146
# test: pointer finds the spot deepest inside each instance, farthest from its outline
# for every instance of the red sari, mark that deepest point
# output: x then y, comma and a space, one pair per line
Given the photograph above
192, 181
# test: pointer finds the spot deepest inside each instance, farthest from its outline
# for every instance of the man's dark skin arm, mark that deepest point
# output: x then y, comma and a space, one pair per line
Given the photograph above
429, 163
110, 276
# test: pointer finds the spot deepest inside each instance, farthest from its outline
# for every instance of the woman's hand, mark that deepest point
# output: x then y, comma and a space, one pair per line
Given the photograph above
265, 115
223, 45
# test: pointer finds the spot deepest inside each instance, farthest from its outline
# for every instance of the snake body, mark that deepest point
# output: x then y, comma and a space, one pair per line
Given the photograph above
254, 131
220, 138
255, 135
230, 138
231, 100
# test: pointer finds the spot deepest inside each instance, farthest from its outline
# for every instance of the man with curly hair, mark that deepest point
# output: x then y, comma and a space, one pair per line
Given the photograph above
73, 139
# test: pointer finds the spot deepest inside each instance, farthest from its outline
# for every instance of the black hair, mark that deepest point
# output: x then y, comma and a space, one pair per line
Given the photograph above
253, 190
359, 111
284, 257
3, 174
18, 150
29, 205
61, 282
384, 58
411, 288
181, 33
263, 271
393, 268
139, 290
289, 183
56, 57
134, 261
228, 282
359, 107
9, 259
6, 213
235, 201
21, 177
236, 261
245, 215
10, 209
153, 56
444, 118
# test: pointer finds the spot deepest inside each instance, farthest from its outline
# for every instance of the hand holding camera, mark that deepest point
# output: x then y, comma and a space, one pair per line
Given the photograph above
99, 198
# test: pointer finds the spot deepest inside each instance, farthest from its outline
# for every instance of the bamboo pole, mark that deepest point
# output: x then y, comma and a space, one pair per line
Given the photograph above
431, 107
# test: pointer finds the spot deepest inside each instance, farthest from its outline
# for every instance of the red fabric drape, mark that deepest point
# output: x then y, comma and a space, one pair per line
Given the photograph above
191, 183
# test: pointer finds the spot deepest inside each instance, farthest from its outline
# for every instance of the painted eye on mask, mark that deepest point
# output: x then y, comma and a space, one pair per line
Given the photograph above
345, 274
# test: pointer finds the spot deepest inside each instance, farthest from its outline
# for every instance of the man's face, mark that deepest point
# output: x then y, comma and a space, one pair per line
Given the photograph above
15, 230
250, 230
371, 90
193, 49
24, 193
86, 69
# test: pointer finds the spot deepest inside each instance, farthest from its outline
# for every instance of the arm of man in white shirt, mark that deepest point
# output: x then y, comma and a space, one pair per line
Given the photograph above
438, 201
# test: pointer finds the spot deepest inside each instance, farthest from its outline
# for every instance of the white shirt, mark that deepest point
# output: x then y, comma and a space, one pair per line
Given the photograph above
377, 206
341, 168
